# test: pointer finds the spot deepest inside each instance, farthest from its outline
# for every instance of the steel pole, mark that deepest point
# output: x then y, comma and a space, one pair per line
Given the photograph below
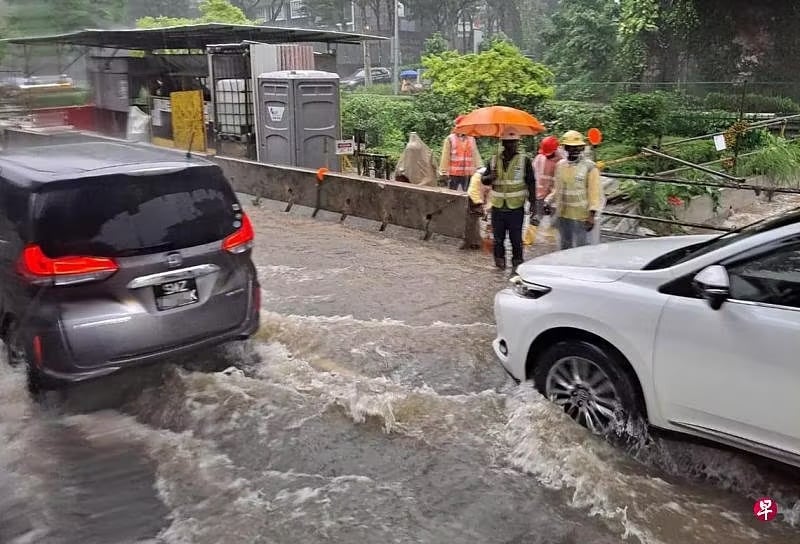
396, 43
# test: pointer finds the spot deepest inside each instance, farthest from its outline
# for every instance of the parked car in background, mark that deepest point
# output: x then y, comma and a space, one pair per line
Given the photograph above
695, 334
380, 76
113, 255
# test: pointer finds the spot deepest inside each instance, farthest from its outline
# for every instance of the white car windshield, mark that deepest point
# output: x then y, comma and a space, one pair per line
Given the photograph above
684, 254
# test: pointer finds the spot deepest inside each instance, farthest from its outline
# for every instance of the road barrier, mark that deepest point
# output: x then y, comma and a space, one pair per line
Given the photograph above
431, 210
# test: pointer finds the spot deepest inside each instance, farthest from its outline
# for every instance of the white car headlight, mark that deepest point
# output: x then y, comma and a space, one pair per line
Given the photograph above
527, 289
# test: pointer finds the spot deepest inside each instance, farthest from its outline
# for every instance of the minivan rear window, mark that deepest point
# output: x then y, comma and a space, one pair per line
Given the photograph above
127, 215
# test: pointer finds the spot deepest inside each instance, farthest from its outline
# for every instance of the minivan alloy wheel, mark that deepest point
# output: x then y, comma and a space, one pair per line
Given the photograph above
585, 391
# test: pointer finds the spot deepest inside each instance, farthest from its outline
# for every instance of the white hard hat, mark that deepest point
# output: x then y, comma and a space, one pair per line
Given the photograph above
510, 134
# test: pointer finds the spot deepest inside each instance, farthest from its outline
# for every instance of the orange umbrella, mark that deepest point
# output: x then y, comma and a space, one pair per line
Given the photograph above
494, 120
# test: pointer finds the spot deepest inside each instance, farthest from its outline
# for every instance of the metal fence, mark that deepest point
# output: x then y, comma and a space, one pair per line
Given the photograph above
719, 179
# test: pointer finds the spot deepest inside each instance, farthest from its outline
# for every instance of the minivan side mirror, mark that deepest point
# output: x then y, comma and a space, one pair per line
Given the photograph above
714, 284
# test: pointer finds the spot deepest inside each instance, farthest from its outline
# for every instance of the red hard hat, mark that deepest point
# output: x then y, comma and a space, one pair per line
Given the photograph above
549, 145
459, 119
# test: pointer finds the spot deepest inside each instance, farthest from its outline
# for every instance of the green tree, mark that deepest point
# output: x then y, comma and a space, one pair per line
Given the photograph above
169, 8
222, 11
211, 11
536, 17
583, 40
440, 14
499, 76
654, 36
40, 17
435, 45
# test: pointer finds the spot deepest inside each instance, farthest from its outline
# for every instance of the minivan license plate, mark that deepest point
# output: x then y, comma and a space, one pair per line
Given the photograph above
174, 294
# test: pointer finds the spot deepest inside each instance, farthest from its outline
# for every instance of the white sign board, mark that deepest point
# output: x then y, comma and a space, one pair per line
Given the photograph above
276, 113
162, 104
345, 147
719, 142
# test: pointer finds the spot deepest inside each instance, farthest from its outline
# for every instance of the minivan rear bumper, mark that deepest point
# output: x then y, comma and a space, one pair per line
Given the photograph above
245, 331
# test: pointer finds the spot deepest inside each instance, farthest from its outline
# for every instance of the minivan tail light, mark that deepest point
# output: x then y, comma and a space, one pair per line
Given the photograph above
41, 269
241, 240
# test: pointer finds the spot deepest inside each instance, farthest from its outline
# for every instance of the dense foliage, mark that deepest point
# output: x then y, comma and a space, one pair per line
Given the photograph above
500, 75
639, 119
778, 162
583, 40
42, 17
211, 11
752, 103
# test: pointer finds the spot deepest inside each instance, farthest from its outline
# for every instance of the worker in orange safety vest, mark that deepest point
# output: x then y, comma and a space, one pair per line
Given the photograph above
460, 159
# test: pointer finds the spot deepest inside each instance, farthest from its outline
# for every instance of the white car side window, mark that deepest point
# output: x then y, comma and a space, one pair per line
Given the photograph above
773, 278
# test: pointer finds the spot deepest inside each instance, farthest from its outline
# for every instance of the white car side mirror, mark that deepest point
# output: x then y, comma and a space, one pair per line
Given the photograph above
714, 284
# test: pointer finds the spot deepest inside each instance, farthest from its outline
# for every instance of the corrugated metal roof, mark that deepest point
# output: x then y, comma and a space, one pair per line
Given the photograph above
192, 37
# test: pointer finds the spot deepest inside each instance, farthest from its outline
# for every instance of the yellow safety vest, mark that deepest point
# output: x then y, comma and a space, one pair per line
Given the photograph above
574, 183
509, 189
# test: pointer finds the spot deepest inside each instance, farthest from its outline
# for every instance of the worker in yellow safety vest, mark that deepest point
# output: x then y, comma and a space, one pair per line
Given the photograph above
510, 173
576, 195
460, 159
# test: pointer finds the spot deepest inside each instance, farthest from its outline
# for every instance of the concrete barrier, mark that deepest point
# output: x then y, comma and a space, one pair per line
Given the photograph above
429, 209
27, 137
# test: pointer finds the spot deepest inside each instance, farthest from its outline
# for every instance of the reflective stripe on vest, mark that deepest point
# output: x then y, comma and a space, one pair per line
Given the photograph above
509, 189
460, 156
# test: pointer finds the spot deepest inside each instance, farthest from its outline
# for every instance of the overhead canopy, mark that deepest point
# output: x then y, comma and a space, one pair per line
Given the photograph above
192, 37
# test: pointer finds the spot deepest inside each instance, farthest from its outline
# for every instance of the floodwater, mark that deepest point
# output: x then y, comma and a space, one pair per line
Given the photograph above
369, 409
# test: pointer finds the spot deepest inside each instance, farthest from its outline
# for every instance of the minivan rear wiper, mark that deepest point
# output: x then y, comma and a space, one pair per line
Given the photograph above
133, 252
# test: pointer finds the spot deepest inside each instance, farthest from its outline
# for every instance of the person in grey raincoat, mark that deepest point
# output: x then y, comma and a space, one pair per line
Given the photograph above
416, 163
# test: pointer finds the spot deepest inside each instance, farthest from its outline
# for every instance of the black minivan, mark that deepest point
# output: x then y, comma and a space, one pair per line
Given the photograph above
115, 254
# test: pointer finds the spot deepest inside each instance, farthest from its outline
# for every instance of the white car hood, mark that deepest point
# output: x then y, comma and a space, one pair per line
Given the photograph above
604, 262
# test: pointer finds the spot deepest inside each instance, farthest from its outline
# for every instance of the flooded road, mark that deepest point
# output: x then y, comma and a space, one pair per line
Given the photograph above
369, 409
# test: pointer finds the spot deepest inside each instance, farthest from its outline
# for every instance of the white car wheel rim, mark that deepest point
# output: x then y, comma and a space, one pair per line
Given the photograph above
585, 392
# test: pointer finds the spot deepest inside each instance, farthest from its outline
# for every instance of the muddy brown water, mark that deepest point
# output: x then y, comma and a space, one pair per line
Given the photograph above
375, 412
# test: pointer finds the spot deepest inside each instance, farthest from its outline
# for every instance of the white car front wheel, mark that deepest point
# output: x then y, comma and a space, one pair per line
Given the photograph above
590, 384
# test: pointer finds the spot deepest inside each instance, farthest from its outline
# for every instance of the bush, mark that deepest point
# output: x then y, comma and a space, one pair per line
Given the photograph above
384, 89
561, 116
779, 162
688, 123
78, 97
501, 75
433, 116
386, 120
639, 119
698, 151
753, 103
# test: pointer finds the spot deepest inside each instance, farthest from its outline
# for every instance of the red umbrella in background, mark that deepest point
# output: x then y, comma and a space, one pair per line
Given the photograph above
493, 121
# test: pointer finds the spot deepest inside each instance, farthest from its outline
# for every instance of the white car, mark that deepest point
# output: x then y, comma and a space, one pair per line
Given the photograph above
696, 334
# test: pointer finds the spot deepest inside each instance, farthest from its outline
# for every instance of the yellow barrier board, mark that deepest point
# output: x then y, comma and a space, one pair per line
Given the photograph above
188, 125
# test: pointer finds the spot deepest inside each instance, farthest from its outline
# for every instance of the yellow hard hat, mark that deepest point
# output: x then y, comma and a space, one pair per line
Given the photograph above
572, 138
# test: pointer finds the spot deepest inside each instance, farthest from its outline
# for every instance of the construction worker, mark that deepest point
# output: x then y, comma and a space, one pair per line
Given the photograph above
460, 159
576, 195
476, 209
510, 173
544, 166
